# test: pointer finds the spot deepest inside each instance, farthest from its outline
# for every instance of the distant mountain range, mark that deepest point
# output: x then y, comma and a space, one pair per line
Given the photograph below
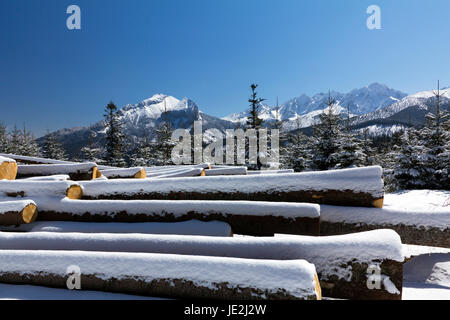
377, 107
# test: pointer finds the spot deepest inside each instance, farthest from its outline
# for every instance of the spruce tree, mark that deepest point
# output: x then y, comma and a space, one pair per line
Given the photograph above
114, 137
4, 141
90, 152
162, 154
52, 148
29, 145
351, 152
143, 154
15, 145
254, 121
298, 150
326, 138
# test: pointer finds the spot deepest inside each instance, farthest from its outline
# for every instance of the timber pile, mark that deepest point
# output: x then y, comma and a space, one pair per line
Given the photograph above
8, 168
76, 172
17, 212
164, 275
341, 262
355, 187
245, 217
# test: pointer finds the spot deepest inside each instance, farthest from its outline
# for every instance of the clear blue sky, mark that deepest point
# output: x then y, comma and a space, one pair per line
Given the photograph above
209, 51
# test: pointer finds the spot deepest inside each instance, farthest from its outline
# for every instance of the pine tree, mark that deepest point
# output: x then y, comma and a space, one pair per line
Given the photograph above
351, 152
254, 121
114, 137
326, 138
52, 148
298, 150
163, 147
4, 141
90, 152
29, 145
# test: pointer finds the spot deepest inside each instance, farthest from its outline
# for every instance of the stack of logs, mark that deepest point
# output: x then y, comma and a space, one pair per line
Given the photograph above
259, 204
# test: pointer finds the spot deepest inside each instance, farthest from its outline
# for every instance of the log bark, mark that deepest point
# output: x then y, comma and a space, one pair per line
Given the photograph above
76, 172
168, 276
127, 173
8, 168
39, 189
350, 187
249, 218
226, 171
17, 212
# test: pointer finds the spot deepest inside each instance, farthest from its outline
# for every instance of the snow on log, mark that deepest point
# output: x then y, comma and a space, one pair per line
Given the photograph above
125, 173
351, 187
56, 177
244, 217
33, 160
191, 227
8, 168
270, 171
163, 275
17, 212
342, 262
230, 171
427, 226
191, 172
42, 189
76, 171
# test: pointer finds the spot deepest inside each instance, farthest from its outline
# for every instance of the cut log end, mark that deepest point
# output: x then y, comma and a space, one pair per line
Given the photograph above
96, 173
8, 170
74, 192
29, 213
378, 203
203, 173
142, 174
318, 288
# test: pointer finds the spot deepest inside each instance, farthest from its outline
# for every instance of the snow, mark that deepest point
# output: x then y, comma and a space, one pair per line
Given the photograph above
53, 169
5, 159
427, 277
410, 250
35, 188
18, 158
191, 227
177, 208
14, 206
226, 171
27, 292
121, 172
328, 254
294, 276
418, 208
366, 180
270, 171
56, 177
189, 172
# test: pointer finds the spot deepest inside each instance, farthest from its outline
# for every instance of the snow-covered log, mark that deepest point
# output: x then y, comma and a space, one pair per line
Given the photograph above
56, 177
77, 171
8, 168
351, 187
251, 172
17, 212
163, 275
33, 160
426, 226
230, 171
244, 217
191, 227
125, 173
342, 262
190, 172
41, 189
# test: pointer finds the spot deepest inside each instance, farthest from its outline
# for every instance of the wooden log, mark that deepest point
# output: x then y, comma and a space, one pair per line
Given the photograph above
8, 168
125, 173
33, 160
191, 172
40, 189
352, 187
244, 217
77, 172
341, 262
172, 276
191, 227
231, 171
253, 172
17, 212
426, 227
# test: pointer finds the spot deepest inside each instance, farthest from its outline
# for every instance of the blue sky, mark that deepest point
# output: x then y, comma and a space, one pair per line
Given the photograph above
209, 51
